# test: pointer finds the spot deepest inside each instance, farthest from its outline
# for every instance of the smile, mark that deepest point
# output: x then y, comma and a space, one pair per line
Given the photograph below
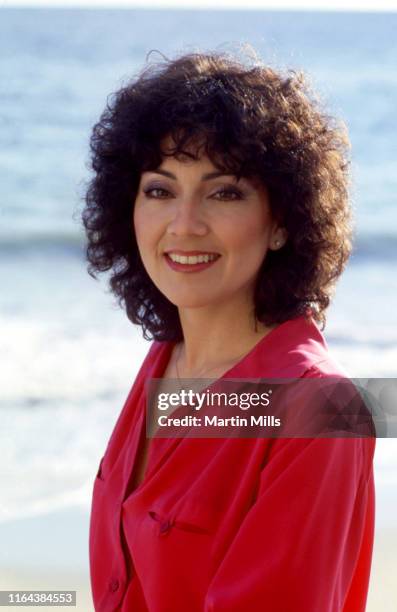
192, 259
190, 262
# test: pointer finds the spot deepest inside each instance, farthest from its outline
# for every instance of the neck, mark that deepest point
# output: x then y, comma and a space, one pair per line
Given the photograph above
214, 341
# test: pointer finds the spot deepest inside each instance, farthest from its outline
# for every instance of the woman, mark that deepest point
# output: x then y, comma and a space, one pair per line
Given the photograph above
220, 203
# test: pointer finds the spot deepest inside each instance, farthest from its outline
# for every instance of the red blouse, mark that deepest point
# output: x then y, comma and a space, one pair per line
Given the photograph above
229, 524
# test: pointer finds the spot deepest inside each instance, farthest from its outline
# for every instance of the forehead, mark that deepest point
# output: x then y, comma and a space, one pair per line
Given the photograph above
195, 154
194, 151
201, 165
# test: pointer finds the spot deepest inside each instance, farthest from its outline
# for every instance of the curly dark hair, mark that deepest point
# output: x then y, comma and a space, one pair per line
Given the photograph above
253, 121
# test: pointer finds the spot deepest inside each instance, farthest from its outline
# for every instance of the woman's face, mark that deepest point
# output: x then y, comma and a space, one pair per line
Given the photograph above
202, 236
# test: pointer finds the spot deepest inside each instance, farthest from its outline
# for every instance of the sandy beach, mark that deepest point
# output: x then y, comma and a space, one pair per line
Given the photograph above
382, 596
50, 552
46, 580
47, 552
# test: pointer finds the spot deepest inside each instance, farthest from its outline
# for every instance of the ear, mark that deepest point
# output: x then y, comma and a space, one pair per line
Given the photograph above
278, 239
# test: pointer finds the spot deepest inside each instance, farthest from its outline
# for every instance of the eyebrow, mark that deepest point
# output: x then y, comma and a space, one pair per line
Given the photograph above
205, 177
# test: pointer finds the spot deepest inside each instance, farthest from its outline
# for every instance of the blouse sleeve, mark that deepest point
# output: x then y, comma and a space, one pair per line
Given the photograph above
300, 544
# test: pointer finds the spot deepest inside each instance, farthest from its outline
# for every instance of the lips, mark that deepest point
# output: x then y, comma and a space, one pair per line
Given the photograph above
190, 261
191, 257
179, 252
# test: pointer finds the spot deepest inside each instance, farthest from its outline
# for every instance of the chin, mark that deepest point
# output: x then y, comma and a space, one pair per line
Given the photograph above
189, 300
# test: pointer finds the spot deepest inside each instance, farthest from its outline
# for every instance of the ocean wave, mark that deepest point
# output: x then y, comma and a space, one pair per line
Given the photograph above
36, 243
376, 246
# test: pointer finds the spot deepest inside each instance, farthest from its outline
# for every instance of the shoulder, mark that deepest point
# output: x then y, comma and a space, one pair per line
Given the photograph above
325, 367
294, 349
313, 349
155, 360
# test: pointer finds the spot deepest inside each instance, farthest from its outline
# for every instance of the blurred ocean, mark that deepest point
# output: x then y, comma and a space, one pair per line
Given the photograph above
69, 355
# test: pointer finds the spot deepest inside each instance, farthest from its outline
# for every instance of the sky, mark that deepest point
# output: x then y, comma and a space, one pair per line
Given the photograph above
357, 5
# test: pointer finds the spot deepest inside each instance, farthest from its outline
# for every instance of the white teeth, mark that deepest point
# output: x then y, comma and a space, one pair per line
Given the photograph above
191, 259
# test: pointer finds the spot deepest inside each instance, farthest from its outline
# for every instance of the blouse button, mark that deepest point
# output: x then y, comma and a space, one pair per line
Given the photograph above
113, 586
165, 526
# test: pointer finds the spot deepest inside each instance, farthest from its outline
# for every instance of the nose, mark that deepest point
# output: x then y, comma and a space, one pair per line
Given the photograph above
187, 219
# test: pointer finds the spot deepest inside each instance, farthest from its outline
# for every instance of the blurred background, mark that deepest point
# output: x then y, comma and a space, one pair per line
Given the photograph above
69, 354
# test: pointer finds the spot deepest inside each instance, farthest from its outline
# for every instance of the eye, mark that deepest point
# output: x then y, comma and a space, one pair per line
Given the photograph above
228, 193
157, 193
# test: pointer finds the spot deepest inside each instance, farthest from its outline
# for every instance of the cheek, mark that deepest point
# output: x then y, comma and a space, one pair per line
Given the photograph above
149, 222
250, 237
143, 228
